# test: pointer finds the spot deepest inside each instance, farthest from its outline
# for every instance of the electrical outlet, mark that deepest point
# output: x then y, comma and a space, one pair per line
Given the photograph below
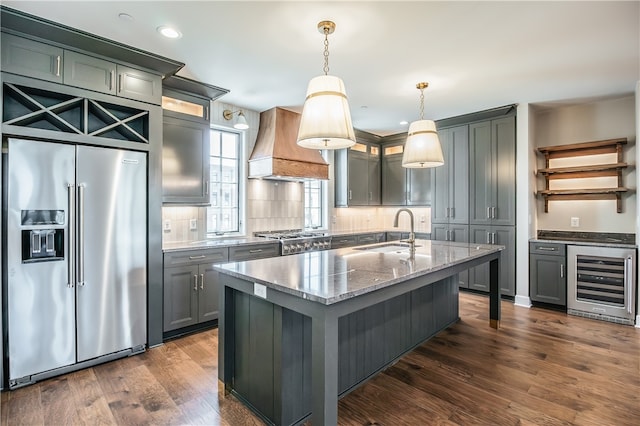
193, 224
423, 219
166, 226
575, 222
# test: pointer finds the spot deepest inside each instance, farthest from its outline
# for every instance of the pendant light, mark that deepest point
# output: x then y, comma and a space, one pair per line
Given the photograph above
422, 148
326, 120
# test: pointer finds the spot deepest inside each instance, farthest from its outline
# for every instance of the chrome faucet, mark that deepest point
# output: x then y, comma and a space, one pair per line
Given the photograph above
412, 235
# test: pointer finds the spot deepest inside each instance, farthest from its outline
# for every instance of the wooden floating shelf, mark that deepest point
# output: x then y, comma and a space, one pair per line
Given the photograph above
599, 170
609, 146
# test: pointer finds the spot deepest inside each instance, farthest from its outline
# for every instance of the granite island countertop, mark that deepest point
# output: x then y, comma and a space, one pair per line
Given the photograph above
330, 276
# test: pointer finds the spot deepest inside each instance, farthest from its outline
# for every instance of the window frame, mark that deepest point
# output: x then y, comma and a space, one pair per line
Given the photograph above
241, 182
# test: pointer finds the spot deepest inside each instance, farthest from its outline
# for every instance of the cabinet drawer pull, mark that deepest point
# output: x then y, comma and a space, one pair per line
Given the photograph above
255, 251
201, 281
547, 248
202, 256
58, 61
195, 283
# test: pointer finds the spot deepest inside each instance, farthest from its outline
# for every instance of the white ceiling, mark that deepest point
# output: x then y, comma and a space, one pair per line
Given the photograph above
475, 55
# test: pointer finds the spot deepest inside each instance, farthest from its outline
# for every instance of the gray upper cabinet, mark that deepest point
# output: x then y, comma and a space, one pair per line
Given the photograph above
186, 139
31, 58
419, 187
402, 186
91, 73
136, 84
492, 152
357, 174
185, 162
42, 61
450, 185
394, 176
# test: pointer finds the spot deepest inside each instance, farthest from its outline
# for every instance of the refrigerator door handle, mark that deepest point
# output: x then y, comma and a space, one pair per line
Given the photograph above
71, 237
81, 234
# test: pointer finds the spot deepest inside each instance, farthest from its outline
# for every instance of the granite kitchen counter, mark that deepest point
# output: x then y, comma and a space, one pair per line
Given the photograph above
212, 243
330, 276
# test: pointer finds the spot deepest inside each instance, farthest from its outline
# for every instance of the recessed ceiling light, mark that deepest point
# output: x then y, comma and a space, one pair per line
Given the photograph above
404, 122
125, 17
169, 32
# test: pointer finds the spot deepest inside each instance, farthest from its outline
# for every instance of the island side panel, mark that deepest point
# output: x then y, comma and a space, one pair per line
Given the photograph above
368, 340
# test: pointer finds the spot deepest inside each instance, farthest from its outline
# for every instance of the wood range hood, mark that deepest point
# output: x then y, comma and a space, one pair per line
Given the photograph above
276, 154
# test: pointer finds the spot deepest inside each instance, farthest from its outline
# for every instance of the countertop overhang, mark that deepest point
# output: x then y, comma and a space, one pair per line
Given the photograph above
330, 276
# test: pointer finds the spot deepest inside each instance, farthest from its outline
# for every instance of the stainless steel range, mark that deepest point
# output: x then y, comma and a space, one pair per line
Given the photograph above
298, 241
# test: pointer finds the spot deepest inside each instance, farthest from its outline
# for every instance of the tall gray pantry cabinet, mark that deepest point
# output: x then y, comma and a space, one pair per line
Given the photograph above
474, 191
492, 194
450, 191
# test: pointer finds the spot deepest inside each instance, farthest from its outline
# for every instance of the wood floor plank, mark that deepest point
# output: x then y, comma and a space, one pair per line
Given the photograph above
541, 367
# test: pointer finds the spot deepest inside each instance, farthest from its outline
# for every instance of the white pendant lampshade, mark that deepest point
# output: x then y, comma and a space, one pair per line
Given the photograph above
326, 119
422, 148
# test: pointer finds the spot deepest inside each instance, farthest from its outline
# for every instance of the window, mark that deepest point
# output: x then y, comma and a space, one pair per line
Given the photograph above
313, 197
224, 182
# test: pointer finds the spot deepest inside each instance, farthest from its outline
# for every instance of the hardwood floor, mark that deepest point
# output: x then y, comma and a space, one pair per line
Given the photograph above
540, 368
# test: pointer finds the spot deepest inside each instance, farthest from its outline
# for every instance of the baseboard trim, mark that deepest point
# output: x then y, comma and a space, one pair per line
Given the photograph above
523, 301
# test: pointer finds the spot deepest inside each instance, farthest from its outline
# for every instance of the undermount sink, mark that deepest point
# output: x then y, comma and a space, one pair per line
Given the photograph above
387, 248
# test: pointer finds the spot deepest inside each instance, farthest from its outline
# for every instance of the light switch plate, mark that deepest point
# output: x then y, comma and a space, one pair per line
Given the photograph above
193, 224
166, 225
575, 222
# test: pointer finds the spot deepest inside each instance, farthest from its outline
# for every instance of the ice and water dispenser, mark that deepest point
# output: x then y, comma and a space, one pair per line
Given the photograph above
42, 235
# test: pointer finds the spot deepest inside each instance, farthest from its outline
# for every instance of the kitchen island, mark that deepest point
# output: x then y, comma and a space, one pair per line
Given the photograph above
297, 332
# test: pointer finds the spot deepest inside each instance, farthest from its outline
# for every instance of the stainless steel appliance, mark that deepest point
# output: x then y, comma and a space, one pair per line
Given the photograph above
76, 243
601, 283
298, 241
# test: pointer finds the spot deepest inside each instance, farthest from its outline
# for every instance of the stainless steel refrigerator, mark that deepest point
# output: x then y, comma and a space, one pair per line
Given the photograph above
76, 239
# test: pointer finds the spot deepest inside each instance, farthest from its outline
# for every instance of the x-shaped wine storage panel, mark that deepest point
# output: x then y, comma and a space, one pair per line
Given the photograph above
42, 109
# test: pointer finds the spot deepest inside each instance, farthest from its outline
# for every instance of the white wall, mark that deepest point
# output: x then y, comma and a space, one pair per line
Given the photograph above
561, 125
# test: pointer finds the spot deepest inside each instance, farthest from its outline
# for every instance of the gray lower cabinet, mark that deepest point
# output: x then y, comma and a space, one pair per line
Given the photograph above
254, 251
340, 241
31, 58
185, 161
344, 241
499, 235
453, 232
191, 287
547, 276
